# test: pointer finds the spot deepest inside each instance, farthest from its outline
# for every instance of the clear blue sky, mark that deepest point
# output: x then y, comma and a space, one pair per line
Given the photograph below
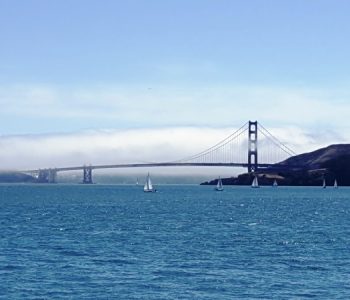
62, 56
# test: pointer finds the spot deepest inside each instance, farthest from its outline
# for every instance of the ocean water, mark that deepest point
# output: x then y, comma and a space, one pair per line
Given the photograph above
184, 242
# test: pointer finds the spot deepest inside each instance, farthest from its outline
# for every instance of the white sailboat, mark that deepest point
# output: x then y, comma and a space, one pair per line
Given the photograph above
148, 185
255, 183
137, 181
219, 186
324, 183
335, 184
275, 184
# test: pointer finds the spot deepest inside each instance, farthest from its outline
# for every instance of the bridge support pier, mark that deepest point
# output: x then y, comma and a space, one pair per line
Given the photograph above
253, 147
87, 175
47, 176
52, 175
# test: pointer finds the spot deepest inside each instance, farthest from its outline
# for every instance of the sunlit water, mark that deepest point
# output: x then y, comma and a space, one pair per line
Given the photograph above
184, 242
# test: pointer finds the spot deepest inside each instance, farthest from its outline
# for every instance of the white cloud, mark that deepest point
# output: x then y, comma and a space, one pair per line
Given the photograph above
131, 146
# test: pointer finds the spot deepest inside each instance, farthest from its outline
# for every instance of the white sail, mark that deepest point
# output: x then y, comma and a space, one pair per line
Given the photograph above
148, 185
335, 184
324, 183
219, 186
275, 184
137, 181
255, 183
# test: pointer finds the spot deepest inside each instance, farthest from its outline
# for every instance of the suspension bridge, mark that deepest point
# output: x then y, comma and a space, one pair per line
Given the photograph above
251, 146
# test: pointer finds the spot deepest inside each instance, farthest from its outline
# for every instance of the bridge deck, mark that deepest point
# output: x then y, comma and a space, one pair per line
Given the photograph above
151, 165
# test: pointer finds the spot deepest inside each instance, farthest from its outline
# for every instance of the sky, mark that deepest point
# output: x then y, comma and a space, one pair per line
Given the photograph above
81, 80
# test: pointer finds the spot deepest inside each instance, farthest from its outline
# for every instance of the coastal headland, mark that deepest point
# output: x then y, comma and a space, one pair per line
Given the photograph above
329, 163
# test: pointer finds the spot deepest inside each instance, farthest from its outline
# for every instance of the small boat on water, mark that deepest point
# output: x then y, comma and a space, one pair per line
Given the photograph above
137, 181
324, 183
219, 186
255, 183
275, 184
335, 184
148, 185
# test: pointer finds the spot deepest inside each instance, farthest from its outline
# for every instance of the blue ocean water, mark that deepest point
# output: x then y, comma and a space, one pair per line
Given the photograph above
183, 242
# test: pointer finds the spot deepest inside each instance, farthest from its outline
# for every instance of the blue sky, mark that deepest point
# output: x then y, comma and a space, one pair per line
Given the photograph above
203, 42
73, 66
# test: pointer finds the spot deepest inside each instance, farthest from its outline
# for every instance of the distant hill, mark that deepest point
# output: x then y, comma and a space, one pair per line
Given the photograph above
309, 169
15, 177
318, 159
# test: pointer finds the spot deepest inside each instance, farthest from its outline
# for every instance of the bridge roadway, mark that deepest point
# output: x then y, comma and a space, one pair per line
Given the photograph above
49, 175
146, 165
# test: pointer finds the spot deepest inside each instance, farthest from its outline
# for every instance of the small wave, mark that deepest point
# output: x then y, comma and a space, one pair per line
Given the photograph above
307, 267
72, 253
175, 273
114, 261
306, 295
11, 268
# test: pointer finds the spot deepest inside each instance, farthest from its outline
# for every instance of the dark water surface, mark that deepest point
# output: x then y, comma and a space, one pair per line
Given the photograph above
184, 242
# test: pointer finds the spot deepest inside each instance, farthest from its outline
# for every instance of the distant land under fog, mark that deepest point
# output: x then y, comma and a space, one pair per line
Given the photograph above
332, 162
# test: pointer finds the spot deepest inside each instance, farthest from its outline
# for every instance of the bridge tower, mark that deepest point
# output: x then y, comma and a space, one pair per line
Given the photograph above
87, 175
252, 146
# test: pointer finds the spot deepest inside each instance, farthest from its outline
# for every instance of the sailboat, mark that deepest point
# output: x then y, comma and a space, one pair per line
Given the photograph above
219, 186
255, 183
324, 183
335, 184
275, 184
148, 185
137, 181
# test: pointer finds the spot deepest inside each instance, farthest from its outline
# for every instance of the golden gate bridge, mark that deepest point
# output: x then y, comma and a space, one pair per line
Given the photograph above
252, 146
